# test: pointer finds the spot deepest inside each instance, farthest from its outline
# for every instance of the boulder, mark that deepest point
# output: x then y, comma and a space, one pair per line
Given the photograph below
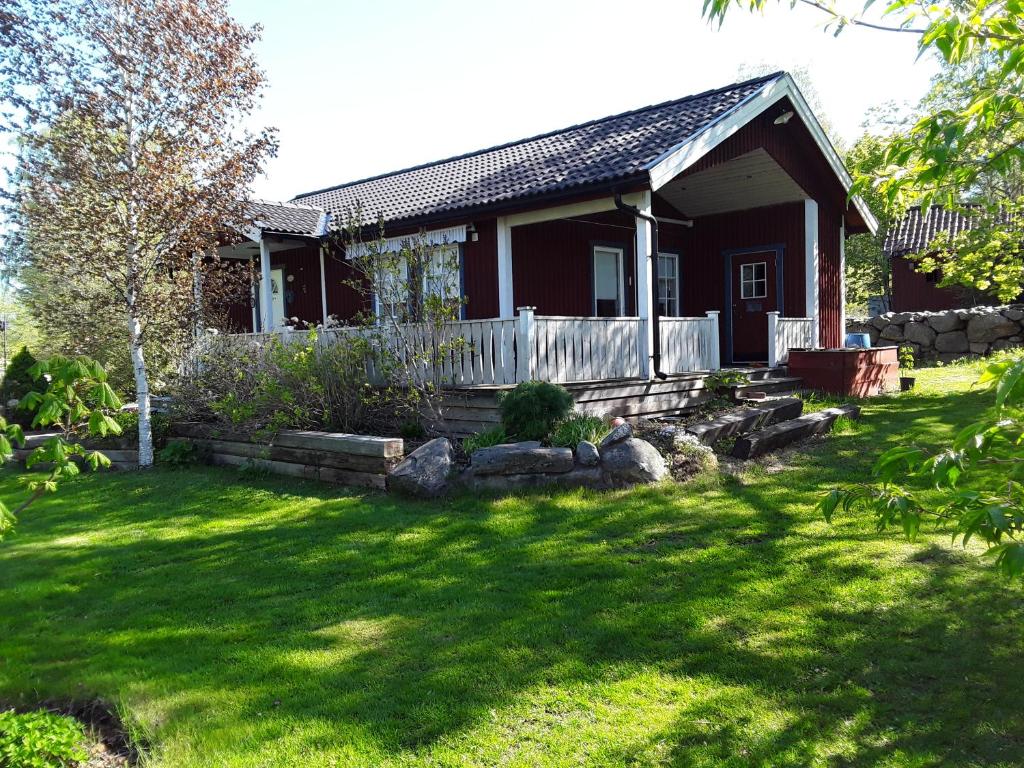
1014, 314
520, 459
979, 347
880, 321
622, 432
632, 461
944, 322
1002, 344
919, 333
425, 471
991, 327
579, 477
587, 454
954, 341
892, 333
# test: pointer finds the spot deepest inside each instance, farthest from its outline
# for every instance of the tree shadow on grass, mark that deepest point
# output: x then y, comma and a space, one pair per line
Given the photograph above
263, 613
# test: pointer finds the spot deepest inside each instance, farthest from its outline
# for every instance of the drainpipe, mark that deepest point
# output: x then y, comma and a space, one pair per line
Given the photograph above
655, 309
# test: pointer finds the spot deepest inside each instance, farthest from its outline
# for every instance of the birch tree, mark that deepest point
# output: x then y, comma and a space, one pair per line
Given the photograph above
133, 152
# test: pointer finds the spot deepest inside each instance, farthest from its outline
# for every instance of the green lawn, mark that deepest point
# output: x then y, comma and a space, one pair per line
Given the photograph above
241, 622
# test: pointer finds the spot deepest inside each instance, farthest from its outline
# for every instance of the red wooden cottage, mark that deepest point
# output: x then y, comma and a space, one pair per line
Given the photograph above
675, 238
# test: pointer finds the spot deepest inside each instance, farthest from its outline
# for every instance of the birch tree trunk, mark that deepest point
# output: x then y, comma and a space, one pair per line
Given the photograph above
141, 393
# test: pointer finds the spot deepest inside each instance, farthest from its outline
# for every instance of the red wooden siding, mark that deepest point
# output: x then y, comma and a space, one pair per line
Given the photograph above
912, 291
480, 271
830, 299
552, 262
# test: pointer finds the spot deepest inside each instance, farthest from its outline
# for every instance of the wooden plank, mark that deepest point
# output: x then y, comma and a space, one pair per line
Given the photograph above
339, 476
788, 432
349, 461
364, 445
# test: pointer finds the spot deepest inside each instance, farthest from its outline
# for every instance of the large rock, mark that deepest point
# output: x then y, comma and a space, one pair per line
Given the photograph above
979, 347
919, 333
622, 432
587, 454
991, 327
892, 333
632, 461
1002, 344
954, 341
945, 322
425, 471
880, 321
1013, 314
520, 459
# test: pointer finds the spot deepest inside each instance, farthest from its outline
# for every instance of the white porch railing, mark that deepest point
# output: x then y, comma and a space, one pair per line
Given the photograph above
560, 349
689, 343
567, 349
786, 333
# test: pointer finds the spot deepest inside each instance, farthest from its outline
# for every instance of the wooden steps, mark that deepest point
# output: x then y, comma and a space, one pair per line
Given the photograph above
780, 435
744, 420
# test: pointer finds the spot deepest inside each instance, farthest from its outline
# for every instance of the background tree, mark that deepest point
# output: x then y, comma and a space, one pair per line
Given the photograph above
969, 136
132, 154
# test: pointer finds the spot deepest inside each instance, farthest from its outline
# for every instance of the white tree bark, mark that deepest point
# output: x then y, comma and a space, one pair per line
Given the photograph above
142, 393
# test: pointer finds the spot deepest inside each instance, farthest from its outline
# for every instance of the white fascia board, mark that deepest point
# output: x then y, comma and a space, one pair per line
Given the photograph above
573, 209
676, 160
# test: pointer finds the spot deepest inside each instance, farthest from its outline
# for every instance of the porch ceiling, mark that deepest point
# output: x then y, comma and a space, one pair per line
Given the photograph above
752, 180
247, 249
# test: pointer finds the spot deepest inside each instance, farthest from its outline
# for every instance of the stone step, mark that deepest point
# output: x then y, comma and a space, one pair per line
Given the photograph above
744, 420
780, 435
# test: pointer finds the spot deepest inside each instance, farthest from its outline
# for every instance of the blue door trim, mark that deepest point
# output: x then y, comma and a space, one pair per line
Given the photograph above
780, 251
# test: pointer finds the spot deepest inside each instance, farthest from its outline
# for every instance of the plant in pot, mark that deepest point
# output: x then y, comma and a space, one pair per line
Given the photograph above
906, 360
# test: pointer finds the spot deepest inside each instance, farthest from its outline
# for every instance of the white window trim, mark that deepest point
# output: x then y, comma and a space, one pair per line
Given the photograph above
620, 256
754, 280
677, 277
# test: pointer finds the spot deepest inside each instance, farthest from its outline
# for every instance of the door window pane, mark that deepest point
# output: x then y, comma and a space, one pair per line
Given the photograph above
754, 280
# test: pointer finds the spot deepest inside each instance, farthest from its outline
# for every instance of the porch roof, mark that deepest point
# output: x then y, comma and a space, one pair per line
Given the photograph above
596, 154
288, 218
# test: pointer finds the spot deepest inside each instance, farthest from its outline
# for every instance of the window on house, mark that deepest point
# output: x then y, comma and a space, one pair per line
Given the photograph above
934, 276
405, 289
608, 283
754, 280
668, 284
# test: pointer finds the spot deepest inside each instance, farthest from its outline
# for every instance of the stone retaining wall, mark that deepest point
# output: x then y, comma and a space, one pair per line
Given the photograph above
948, 335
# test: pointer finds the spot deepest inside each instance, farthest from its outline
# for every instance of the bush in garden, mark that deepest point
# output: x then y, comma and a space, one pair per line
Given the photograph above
533, 408
576, 428
40, 740
486, 439
266, 386
18, 382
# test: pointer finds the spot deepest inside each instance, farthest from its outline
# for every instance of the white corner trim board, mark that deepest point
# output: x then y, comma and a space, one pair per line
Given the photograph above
811, 268
505, 287
680, 157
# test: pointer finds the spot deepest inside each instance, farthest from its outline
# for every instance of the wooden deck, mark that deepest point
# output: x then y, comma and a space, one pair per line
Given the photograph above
471, 409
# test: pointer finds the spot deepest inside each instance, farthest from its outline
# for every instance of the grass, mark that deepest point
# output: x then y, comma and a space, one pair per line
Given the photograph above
280, 623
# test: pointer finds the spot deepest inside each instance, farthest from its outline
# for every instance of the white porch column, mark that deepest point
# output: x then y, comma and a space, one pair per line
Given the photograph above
644, 286
524, 345
505, 295
267, 292
714, 353
812, 278
323, 288
773, 339
842, 282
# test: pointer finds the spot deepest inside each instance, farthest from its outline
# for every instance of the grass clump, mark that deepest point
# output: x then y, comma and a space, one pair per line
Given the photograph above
577, 427
488, 438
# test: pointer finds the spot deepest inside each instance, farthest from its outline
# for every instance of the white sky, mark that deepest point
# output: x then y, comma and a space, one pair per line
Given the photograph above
360, 88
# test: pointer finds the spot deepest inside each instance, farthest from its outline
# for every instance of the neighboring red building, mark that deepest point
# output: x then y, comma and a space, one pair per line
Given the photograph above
914, 291
739, 186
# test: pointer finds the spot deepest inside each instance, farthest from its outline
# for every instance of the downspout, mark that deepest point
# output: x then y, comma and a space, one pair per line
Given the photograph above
655, 308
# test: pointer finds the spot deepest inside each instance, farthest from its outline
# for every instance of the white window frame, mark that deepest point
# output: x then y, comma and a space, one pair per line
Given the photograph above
620, 261
753, 281
677, 300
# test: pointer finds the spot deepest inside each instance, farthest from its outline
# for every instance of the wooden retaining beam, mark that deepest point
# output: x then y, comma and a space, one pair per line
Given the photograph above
745, 420
359, 460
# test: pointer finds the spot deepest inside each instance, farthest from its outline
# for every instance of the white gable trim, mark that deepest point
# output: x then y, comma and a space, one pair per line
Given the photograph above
676, 160
446, 236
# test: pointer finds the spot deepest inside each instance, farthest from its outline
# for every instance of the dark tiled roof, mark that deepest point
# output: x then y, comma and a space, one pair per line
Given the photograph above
917, 228
611, 149
288, 218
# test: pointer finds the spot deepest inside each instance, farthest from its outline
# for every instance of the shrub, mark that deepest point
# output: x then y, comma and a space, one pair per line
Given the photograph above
577, 427
17, 383
40, 740
485, 439
178, 453
533, 408
128, 421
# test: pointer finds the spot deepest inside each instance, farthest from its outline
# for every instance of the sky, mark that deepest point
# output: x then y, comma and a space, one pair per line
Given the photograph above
361, 88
